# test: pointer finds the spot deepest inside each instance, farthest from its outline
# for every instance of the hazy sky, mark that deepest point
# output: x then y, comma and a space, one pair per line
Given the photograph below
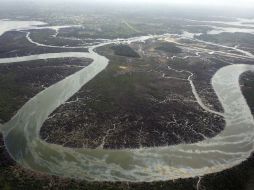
203, 2
246, 3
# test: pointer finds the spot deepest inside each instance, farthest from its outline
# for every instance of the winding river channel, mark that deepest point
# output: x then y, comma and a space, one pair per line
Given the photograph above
229, 148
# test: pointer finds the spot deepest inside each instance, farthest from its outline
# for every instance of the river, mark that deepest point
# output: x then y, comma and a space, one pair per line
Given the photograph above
229, 148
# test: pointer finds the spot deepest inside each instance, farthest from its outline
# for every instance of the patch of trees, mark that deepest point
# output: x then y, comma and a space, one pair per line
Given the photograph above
124, 50
169, 48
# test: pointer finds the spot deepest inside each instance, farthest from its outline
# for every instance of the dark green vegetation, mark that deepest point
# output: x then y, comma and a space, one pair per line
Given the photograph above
242, 40
169, 48
134, 103
14, 44
48, 37
99, 29
21, 81
124, 50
